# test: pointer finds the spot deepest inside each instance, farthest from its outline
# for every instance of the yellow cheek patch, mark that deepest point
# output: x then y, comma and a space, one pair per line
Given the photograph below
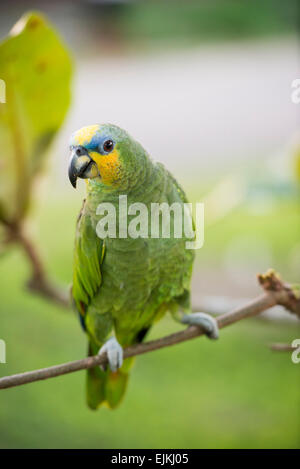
109, 166
85, 134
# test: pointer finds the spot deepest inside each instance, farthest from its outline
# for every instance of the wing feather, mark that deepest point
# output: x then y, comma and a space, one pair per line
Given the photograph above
88, 255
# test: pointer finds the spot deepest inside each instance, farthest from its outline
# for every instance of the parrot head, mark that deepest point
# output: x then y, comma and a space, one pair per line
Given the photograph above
106, 154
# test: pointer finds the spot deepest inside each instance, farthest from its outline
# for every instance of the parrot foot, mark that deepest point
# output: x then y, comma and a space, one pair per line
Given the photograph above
203, 320
114, 353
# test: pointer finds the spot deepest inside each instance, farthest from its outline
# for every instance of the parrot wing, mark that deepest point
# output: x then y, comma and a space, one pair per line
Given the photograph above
102, 386
88, 256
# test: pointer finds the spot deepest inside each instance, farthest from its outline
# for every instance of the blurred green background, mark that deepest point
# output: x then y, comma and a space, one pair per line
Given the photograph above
206, 88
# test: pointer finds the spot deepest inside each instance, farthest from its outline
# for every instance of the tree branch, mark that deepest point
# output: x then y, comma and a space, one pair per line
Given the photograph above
271, 281
283, 295
279, 347
39, 282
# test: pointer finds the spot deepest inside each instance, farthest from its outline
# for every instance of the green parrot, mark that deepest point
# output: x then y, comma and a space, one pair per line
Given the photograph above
123, 284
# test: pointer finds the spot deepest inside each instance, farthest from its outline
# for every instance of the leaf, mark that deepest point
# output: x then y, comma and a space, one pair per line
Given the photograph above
37, 69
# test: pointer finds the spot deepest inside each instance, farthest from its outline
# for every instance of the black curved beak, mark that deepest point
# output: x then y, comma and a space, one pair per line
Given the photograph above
81, 165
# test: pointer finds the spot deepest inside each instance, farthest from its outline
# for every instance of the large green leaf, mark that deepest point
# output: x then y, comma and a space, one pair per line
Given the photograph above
37, 69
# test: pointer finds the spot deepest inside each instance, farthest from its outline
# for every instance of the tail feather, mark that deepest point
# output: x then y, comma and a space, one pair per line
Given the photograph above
106, 387
116, 385
95, 387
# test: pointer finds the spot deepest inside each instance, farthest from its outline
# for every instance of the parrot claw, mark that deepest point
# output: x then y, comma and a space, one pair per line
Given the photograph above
205, 321
114, 353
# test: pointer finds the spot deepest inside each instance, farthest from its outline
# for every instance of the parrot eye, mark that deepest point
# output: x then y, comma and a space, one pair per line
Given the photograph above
108, 145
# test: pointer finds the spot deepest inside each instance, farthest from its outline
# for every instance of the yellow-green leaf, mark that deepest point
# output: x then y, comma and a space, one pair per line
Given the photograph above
36, 68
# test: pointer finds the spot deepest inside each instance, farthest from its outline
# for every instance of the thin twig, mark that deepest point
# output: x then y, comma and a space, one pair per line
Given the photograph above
267, 300
279, 347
